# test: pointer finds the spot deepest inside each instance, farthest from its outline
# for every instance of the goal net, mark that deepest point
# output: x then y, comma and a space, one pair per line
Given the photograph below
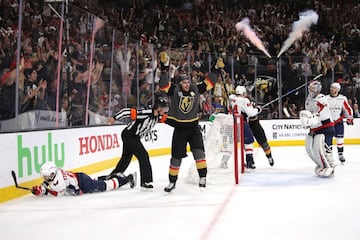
224, 151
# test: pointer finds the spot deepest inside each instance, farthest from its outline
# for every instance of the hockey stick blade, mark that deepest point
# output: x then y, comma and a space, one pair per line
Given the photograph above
15, 181
318, 76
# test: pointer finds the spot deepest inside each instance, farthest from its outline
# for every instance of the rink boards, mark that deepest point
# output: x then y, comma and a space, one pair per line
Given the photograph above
95, 149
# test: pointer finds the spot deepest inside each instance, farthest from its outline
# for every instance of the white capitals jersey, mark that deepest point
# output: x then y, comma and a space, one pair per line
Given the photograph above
242, 104
319, 105
339, 108
63, 180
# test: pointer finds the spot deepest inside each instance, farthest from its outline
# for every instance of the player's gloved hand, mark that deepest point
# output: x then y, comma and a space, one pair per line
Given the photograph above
253, 103
256, 106
72, 191
212, 117
350, 121
259, 109
38, 190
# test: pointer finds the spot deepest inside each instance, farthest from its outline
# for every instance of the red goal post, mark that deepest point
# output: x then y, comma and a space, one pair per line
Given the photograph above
238, 145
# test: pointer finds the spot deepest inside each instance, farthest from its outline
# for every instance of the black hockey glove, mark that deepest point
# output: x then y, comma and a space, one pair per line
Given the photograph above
350, 121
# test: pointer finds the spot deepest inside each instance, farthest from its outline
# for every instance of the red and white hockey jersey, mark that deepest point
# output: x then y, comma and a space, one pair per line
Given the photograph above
243, 105
339, 108
63, 180
319, 105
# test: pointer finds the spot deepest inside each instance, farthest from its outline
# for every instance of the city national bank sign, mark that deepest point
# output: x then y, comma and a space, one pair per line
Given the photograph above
287, 131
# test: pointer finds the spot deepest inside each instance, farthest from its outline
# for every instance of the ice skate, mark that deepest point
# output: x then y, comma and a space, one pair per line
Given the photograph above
250, 166
169, 188
325, 172
202, 182
111, 175
271, 161
102, 178
132, 179
147, 186
342, 158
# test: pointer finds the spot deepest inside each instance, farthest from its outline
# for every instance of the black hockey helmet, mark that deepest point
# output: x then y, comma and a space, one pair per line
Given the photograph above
160, 102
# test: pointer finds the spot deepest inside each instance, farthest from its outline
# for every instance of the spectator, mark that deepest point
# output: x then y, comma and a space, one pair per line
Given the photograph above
33, 92
145, 94
356, 110
293, 111
207, 108
356, 81
219, 91
8, 94
217, 106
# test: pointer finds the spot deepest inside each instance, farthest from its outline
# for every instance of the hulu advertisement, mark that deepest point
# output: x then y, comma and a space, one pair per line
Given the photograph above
26, 152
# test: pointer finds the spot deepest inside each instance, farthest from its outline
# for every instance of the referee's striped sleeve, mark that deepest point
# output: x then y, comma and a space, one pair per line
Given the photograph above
123, 113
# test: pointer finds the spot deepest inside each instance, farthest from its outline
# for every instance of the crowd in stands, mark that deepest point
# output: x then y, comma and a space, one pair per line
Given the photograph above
194, 33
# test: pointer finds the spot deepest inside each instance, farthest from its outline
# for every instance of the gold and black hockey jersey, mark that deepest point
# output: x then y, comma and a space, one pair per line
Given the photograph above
184, 106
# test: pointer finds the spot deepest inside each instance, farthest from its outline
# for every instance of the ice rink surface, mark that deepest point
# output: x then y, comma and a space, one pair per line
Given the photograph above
285, 202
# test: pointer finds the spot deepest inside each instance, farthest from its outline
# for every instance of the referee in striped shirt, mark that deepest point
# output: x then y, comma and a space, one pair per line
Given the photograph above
141, 122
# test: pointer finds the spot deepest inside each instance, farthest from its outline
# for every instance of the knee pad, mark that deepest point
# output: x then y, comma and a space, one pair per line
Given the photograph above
175, 162
198, 154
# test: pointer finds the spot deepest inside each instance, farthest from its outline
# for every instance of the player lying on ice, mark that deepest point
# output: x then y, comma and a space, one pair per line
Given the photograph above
58, 182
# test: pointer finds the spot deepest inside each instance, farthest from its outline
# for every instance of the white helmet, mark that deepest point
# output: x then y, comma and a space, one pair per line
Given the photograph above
314, 88
240, 90
336, 85
48, 171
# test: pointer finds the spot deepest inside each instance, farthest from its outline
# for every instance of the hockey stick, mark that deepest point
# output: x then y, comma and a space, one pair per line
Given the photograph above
289, 92
15, 181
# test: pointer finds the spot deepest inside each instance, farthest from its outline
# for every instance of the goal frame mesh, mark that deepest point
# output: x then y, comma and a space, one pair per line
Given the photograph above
224, 143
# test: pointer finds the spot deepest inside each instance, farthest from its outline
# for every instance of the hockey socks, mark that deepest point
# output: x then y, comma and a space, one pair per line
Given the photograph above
201, 167
115, 183
267, 151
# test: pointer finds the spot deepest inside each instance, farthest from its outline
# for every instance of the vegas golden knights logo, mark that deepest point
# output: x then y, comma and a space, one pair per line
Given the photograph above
186, 104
